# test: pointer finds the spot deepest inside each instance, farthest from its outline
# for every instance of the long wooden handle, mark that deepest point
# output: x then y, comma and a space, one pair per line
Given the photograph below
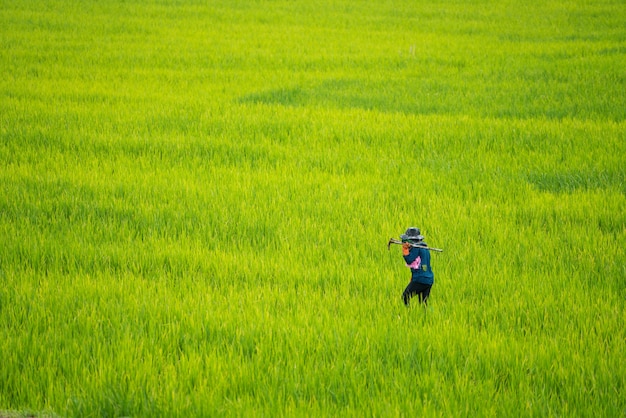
395, 241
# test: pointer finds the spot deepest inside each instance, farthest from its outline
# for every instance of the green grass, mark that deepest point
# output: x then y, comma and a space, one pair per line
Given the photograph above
195, 201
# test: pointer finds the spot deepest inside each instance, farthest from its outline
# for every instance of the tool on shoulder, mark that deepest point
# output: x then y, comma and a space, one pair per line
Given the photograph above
412, 244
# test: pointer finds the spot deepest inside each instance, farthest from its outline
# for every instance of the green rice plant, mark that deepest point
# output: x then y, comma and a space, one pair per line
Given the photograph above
195, 200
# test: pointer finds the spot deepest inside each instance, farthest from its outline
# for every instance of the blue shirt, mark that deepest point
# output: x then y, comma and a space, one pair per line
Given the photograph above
418, 260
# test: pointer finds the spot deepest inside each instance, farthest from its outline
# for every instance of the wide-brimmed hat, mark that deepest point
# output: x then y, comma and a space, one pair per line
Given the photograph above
412, 234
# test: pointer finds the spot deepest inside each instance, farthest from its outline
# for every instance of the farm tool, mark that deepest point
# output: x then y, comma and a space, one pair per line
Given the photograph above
412, 244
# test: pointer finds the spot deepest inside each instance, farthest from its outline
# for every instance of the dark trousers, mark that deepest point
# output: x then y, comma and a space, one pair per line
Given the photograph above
414, 288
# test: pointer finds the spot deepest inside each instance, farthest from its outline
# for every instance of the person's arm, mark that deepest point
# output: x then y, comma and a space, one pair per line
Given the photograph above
411, 256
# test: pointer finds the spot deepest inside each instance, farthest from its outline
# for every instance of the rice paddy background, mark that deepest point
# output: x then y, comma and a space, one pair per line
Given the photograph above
195, 201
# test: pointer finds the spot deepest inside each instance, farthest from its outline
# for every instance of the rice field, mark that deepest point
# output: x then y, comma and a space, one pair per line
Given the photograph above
196, 197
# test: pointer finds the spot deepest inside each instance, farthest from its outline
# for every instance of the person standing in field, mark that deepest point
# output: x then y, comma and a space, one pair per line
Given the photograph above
418, 260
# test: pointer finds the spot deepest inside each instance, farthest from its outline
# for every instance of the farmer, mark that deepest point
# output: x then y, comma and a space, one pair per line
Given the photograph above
418, 260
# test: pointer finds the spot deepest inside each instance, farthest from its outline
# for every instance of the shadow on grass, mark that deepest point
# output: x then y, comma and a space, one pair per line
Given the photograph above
428, 96
568, 182
383, 96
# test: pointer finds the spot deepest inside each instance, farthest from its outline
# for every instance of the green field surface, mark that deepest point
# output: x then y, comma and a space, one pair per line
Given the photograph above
196, 198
